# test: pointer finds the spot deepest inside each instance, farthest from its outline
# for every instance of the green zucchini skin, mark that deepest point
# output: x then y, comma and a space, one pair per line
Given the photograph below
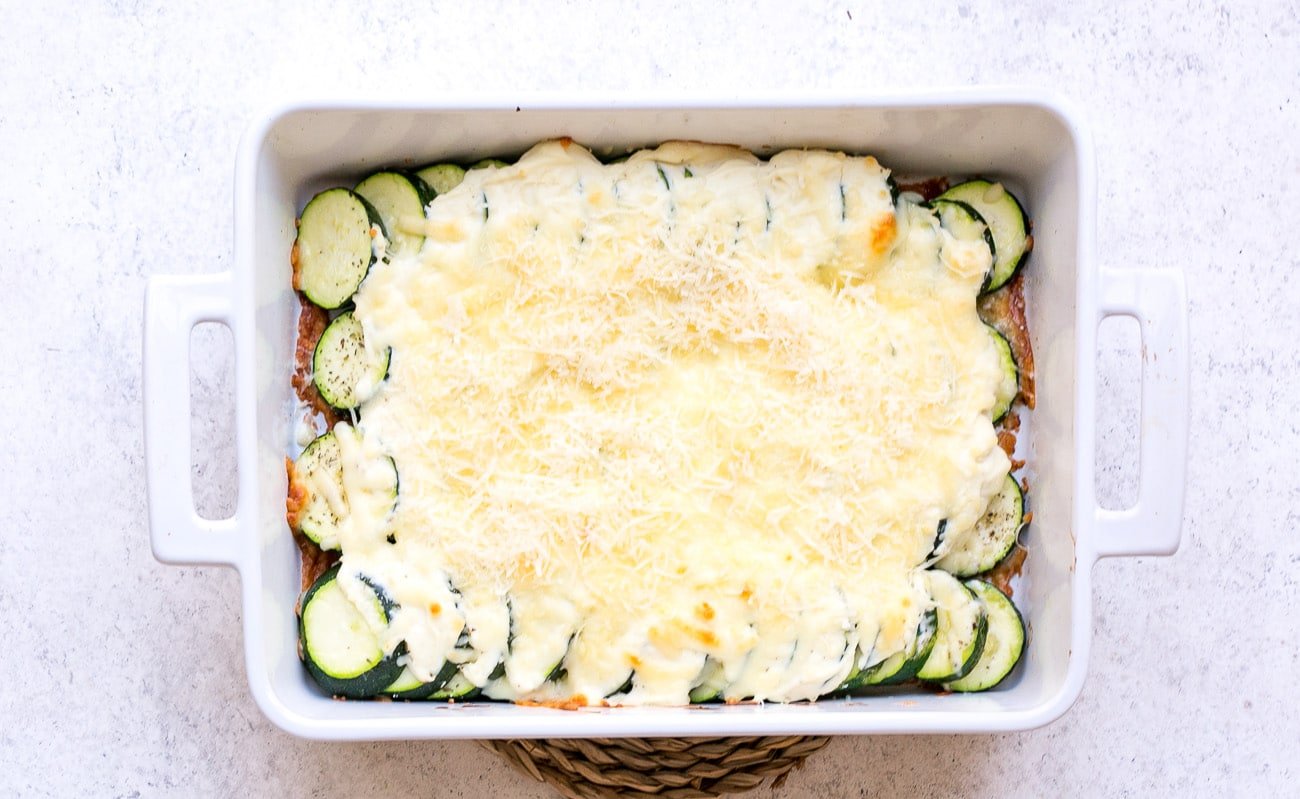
457, 689
1004, 644
427, 192
364, 685
407, 688
940, 535
559, 671
625, 687
334, 248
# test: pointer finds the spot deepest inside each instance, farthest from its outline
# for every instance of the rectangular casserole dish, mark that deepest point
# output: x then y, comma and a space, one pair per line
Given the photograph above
1033, 142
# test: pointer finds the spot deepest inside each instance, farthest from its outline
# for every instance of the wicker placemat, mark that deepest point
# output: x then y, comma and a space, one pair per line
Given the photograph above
675, 768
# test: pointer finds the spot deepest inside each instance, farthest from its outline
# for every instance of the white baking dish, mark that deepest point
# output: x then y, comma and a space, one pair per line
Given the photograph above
1034, 142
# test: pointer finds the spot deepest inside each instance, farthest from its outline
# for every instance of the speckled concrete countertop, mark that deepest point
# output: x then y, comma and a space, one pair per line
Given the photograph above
118, 126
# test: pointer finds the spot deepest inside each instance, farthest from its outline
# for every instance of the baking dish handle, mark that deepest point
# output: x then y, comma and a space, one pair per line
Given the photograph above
173, 305
1157, 299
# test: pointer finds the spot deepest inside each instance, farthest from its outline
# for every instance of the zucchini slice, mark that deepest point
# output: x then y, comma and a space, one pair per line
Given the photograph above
1002, 647
321, 462
903, 666
993, 536
335, 246
487, 163
441, 178
963, 221
486, 637
940, 536
339, 643
766, 665
457, 689
708, 686
399, 197
345, 372
408, 687
558, 672
856, 676
827, 647
965, 224
960, 632
1007, 221
624, 687
320, 469
1009, 387
542, 627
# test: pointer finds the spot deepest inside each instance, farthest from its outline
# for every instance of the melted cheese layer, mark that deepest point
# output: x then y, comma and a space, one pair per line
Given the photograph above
689, 405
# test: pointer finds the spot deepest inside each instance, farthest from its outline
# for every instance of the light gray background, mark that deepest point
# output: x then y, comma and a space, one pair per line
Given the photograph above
118, 126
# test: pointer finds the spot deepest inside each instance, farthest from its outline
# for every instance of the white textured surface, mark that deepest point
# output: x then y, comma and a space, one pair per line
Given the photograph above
118, 124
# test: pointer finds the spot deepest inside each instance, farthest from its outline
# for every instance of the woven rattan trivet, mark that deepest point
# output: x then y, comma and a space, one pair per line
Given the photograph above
676, 768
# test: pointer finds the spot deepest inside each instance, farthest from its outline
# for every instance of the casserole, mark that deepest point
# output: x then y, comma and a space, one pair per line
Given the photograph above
632, 433
1032, 142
